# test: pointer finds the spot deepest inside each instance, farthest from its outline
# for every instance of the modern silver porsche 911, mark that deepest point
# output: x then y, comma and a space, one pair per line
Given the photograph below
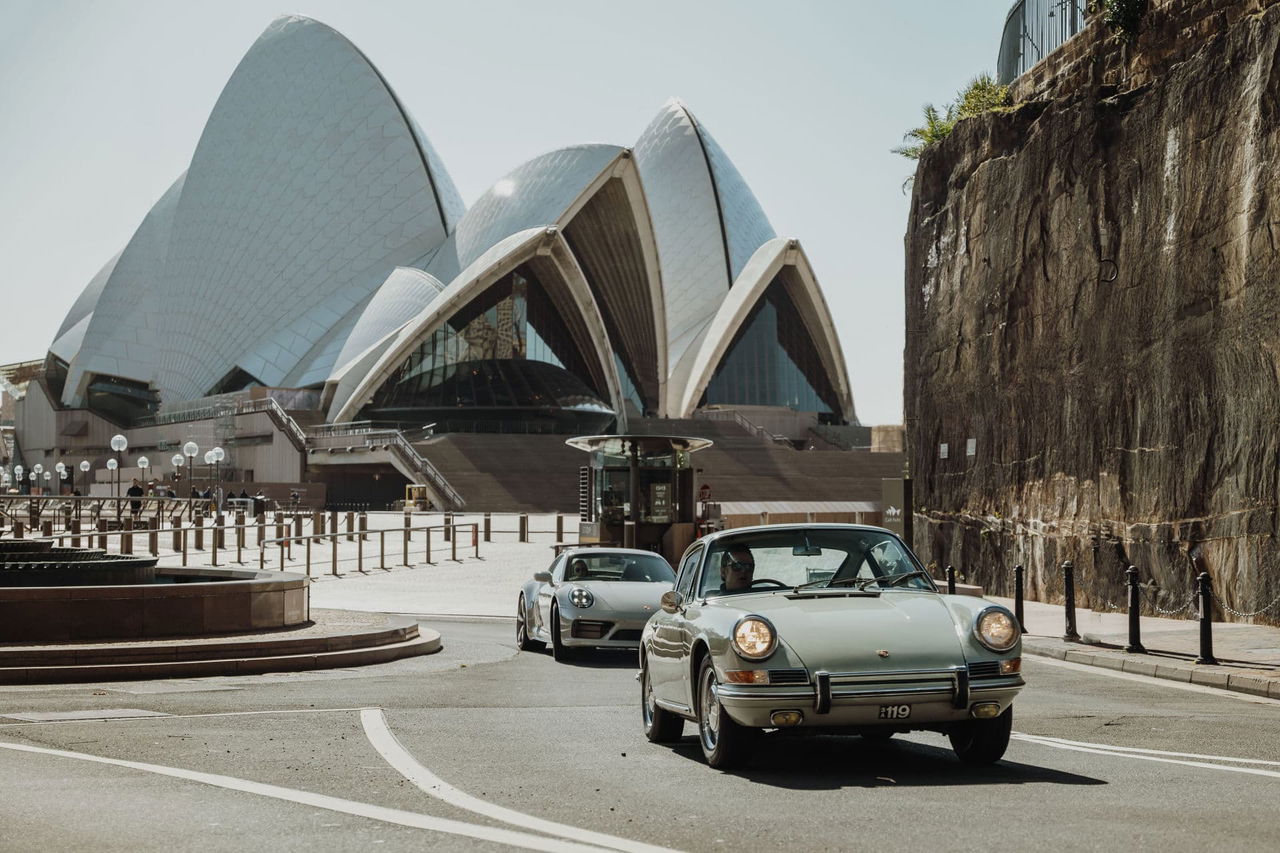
824, 627
591, 598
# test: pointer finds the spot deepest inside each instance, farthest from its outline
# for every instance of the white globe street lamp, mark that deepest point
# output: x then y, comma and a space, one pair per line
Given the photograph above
85, 466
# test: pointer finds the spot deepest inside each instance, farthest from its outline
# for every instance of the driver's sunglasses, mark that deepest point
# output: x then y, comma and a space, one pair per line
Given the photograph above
742, 567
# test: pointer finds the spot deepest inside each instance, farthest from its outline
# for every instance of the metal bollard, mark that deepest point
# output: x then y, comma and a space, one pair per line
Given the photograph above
239, 532
428, 538
524, 527
297, 525
360, 554
334, 539
559, 528
317, 522
75, 533
333, 521
308, 556
351, 526
453, 539
382, 550
488, 532
153, 538
364, 526
1017, 597
475, 538
951, 580
448, 526
17, 530
406, 545
126, 538
198, 521
408, 522
261, 521
220, 531
1069, 607
1206, 619
183, 534
46, 527
1135, 630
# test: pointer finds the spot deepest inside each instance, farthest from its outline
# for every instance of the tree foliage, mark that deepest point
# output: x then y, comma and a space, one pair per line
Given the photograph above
1122, 17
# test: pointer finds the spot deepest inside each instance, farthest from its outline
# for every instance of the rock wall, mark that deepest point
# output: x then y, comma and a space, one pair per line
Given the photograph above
1092, 294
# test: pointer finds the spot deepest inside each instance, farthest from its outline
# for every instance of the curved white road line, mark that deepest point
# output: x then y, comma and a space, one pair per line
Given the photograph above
1251, 771
1153, 681
335, 804
380, 736
1111, 748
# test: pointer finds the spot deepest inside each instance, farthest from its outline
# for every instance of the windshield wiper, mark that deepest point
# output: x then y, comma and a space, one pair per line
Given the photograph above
894, 580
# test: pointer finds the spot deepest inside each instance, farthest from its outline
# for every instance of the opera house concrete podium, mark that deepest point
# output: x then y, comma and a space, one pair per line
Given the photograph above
315, 268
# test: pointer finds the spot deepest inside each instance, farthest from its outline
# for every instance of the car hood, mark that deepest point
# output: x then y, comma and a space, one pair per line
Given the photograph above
624, 595
848, 634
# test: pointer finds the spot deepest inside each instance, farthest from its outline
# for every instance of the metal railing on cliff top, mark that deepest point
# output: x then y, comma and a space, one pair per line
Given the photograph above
1032, 30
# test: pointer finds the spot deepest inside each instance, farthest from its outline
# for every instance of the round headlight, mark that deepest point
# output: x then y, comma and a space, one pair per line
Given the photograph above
580, 597
996, 630
754, 638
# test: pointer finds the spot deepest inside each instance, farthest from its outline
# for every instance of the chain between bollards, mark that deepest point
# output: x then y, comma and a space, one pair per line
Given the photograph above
1069, 609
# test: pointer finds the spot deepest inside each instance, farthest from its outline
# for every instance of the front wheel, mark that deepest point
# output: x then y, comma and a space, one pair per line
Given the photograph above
559, 650
523, 640
982, 741
724, 742
660, 725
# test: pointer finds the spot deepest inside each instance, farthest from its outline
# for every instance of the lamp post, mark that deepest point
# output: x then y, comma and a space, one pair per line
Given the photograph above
119, 444
190, 449
61, 468
37, 469
143, 464
218, 455
209, 460
17, 476
85, 466
177, 459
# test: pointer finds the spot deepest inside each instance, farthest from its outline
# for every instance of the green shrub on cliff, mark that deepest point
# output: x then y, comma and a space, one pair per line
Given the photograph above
982, 95
1122, 17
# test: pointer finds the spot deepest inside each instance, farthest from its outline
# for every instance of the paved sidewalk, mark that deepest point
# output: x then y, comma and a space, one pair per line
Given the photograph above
1248, 655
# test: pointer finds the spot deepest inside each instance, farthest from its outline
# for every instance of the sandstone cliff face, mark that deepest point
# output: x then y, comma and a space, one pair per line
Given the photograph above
1093, 284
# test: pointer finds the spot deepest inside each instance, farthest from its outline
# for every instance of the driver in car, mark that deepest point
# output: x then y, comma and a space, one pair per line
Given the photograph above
737, 569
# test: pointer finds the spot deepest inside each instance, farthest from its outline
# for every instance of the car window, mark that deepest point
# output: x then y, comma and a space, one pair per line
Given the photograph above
625, 566
813, 557
688, 570
557, 568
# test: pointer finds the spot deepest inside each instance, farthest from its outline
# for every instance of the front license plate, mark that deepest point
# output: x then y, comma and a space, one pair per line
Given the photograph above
895, 712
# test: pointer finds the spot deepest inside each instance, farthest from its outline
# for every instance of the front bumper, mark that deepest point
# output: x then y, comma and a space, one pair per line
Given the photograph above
856, 699
603, 630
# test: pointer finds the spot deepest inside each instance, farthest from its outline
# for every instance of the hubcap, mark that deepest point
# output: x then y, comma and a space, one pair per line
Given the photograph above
709, 719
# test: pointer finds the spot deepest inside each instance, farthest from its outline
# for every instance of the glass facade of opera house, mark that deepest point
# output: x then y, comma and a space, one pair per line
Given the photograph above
316, 243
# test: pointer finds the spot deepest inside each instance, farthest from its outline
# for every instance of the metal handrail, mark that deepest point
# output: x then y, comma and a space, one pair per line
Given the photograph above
1032, 30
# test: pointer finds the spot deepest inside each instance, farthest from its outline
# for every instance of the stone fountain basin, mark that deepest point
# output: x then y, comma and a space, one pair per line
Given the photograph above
178, 602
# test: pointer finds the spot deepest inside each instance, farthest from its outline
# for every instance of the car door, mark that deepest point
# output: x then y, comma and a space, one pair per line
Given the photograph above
669, 648
546, 594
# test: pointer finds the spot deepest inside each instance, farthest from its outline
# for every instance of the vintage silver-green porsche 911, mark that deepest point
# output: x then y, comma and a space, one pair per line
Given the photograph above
832, 627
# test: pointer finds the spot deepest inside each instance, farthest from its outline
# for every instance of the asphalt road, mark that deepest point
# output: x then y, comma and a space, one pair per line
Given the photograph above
481, 748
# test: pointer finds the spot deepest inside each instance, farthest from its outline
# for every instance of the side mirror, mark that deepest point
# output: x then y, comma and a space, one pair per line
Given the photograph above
671, 601
542, 577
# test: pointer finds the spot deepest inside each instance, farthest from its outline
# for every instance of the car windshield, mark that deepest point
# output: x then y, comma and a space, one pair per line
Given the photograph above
811, 557
640, 568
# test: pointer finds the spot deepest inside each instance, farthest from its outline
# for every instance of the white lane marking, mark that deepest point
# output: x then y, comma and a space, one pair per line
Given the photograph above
1252, 771
1149, 751
380, 736
188, 716
1155, 682
335, 804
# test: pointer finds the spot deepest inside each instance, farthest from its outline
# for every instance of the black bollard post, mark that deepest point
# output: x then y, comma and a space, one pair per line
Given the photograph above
1017, 597
1069, 607
1135, 631
1206, 620
951, 580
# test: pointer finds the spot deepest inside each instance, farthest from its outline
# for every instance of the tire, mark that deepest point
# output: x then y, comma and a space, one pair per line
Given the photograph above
660, 725
725, 744
559, 650
523, 640
982, 741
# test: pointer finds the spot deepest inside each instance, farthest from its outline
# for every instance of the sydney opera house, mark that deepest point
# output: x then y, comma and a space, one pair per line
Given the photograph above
317, 254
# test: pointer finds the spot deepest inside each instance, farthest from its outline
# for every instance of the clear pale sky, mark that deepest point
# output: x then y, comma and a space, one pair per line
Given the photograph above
102, 103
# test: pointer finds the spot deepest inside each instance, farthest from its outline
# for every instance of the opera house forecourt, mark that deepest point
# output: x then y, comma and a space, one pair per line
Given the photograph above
315, 267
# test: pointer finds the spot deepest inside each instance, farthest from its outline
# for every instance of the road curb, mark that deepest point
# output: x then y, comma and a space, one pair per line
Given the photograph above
1163, 666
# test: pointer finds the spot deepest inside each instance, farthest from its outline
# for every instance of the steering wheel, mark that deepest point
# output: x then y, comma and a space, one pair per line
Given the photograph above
778, 584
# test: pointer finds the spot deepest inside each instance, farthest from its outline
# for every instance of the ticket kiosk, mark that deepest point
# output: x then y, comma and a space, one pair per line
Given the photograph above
639, 491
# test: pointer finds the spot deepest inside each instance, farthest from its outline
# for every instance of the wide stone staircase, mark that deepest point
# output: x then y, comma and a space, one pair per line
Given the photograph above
539, 473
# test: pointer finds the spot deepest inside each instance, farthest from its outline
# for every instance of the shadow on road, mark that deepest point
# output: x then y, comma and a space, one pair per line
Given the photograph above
824, 762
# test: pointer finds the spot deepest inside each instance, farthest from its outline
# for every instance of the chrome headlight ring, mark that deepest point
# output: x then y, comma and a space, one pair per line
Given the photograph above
581, 597
996, 629
754, 638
